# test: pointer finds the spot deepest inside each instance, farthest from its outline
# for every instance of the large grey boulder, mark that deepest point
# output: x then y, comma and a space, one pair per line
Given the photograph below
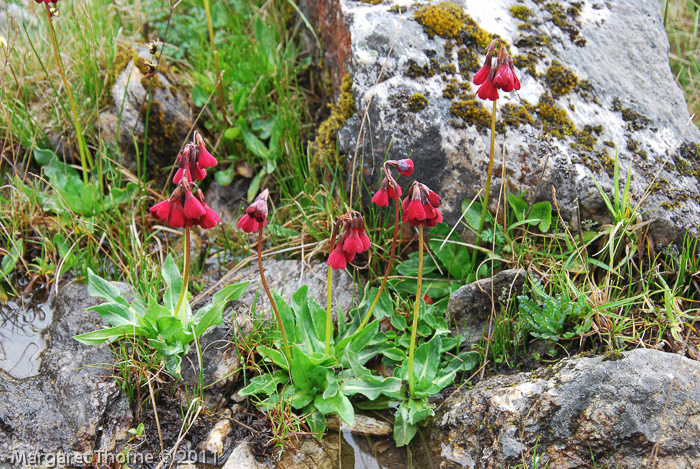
74, 406
169, 117
594, 74
614, 412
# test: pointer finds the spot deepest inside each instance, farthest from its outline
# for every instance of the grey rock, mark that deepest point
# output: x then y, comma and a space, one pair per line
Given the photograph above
627, 96
469, 308
169, 118
226, 200
242, 458
615, 411
74, 405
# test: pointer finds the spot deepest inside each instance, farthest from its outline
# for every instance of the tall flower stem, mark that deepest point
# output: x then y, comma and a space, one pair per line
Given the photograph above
85, 158
416, 309
186, 274
487, 189
287, 350
329, 322
215, 53
388, 267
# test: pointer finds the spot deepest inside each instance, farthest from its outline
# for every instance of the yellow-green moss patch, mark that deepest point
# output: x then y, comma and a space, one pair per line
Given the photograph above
470, 111
444, 19
555, 121
417, 102
560, 79
513, 115
520, 12
325, 146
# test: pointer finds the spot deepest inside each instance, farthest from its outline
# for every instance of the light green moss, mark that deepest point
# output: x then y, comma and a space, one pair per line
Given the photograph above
324, 147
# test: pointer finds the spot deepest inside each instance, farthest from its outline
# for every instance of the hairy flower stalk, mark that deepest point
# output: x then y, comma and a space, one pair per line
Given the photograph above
388, 190
420, 207
254, 220
85, 158
491, 79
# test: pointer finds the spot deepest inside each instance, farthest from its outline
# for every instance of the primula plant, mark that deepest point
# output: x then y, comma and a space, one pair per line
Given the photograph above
169, 326
318, 368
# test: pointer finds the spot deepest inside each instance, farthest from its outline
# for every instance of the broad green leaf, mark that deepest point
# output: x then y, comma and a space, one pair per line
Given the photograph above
316, 422
287, 316
199, 95
333, 386
265, 384
169, 328
252, 142
224, 177
372, 387
230, 292
338, 404
418, 410
171, 275
101, 288
97, 337
275, 356
232, 133
43, 157
9, 261
519, 206
255, 185
115, 314
543, 212
210, 318
394, 353
456, 258
167, 348
306, 375
404, 431
300, 398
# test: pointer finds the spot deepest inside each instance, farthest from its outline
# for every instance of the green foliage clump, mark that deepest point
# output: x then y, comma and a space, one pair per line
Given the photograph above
520, 12
417, 102
325, 145
445, 19
546, 316
560, 79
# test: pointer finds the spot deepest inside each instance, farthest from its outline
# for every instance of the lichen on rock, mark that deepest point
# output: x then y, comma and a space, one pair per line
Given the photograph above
324, 147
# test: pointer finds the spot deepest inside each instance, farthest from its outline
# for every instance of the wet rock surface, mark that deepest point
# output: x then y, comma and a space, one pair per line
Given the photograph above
74, 405
613, 412
169, 119
594, 75
469, 308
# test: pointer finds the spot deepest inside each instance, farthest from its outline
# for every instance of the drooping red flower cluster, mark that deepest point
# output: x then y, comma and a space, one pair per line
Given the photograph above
389, 188
491, 78
47, 1
194, 160
353, 240
420, 207
186, 206
255, 214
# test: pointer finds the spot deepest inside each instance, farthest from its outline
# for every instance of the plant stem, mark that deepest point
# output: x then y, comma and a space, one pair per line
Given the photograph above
416, 309
215, 53
388, 267
329, 322
287, 350
84, 155
186, 274
487, 189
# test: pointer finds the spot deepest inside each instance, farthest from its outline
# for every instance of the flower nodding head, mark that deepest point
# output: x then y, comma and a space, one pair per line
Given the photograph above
351, 241
505, 77
404, 166
502, 76
256, 214
381, 198
338, 259
185, 209
194, 159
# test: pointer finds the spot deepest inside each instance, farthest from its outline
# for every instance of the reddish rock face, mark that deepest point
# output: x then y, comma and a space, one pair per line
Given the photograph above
327, 19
